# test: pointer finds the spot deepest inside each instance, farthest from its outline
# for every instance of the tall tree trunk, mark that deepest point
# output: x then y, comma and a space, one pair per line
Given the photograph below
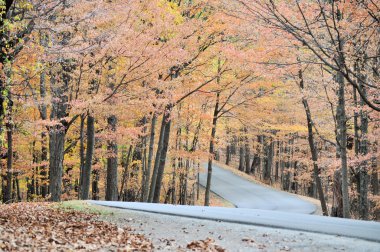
111, 188
81, 154
144, 177
342, 138
150, 155
89, 155
164, 151
313, 149
56, 150
44, 149
211, 150
157, 158
125, 164
9, 128
363, 166
57, 133
375, 173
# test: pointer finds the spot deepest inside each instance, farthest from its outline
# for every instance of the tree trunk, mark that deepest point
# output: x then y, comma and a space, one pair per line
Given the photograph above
56, 153
44, 149
313, 149
81, 154
211, 150
165, 145
89, 155
57, 132
95, 184
157, 159
125, 165
150, 155
342, 139
228, 155
241, 155
363, 166
111, 188
9, 128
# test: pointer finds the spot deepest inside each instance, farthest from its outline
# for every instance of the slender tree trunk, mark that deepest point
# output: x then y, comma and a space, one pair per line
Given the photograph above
241, 155
44, 149
228, 155
150, 155
89, 155
211, 150
157, 159
313, 149
9, 128
164, 151
363, 167
111, 188
247, 153
81, 154
95, 184
375, 173
144, 177
125, 165
342, 139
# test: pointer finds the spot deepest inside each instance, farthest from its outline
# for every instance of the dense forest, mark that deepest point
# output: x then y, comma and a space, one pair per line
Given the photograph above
131, 99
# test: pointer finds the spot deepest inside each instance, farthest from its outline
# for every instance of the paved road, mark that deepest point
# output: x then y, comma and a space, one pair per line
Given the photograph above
367, 230
255, 207
246, 194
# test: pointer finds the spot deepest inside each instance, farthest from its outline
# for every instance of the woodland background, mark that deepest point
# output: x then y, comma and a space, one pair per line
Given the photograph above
126, 99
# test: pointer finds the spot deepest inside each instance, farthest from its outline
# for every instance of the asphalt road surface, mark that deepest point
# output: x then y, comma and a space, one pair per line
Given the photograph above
246, 194
261, 206
368, 230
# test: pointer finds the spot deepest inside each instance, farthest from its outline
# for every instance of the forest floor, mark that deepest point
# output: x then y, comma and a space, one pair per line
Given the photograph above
55, 227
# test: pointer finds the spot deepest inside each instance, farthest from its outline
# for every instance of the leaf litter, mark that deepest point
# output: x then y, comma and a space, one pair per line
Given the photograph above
44, 227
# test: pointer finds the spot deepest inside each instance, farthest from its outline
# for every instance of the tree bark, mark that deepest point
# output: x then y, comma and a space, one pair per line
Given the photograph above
111, 188
9, 127
363, 166
44, 149
211, 150
157, 158
89, 155
313, 149
81, 154
57, 133
150, 155
342, 138
164, 151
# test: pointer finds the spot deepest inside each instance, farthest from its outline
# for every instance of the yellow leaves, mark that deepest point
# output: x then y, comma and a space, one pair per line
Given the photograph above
173, 9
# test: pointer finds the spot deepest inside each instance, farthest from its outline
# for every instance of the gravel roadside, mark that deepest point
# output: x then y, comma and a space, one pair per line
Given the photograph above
173, 233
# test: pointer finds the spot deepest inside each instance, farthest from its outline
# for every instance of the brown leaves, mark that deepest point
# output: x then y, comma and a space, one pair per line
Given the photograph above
32, 226
205, 245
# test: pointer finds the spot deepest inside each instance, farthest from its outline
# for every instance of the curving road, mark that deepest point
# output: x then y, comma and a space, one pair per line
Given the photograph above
255, 207
247, 194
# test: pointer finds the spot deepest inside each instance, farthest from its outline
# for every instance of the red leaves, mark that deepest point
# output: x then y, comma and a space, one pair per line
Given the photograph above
32, 226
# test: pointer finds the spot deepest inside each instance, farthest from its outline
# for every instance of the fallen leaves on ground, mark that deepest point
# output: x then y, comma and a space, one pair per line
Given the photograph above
205, 245
41, 227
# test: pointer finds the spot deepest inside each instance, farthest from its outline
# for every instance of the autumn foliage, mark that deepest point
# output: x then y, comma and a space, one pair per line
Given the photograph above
126, 99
